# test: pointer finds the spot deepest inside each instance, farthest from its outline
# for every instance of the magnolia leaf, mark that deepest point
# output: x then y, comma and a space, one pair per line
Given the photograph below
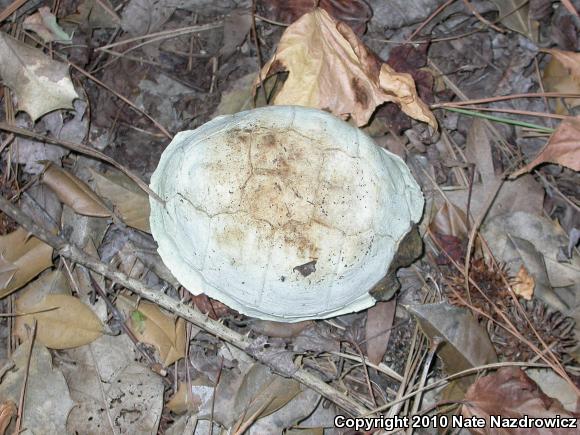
127, 198
44, 24
74, 192
511, 393
150, 325
47, 399
64, 322
21, 259
40, 83
563, 148
51, 282
331, 69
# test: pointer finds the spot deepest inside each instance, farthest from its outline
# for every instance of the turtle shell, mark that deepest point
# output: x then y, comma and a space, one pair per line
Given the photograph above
283, 213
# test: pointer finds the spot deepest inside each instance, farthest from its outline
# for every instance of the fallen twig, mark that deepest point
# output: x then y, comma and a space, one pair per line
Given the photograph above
251, 347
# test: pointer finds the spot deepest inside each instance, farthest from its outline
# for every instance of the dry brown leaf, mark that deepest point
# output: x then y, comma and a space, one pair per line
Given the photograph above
127, 198
331, 69
511, 393
563, 148
525, 284
73, 192
562, 74
71, 324
150, 325
51, 282
21, 259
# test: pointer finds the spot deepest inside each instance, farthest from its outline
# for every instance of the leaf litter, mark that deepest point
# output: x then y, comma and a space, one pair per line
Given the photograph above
118, 364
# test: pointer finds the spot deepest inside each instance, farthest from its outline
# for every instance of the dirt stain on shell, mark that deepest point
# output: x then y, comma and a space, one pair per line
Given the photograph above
279, 191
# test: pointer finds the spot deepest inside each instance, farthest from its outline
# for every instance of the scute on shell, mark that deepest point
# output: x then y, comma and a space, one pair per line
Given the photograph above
283, 213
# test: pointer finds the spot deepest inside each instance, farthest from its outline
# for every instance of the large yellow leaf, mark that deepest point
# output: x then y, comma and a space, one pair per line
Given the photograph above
331, 69
64, 322
21, 259
150, 325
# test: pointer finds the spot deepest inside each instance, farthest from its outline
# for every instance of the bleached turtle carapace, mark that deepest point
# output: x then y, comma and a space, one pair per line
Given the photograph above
282, 213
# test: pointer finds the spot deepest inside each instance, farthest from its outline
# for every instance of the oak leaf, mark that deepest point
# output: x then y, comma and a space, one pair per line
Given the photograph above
331, 69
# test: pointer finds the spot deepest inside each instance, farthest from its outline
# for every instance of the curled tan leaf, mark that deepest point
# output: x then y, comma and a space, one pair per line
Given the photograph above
331, 69
563, 148
73, 192
21, 259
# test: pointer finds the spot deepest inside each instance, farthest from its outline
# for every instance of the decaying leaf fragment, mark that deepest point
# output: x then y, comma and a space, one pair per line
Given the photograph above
525, 283
150, 325
511, 393
40, 83
563, 148
44, 24
21, 259
331, 69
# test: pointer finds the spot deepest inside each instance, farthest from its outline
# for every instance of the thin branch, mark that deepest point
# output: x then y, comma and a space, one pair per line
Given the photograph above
82, 149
